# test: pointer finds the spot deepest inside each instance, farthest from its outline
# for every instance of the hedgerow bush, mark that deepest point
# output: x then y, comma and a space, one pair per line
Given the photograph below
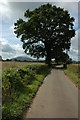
19, 85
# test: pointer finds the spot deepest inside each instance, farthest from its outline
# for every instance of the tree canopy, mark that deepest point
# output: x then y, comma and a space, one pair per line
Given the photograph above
46, 31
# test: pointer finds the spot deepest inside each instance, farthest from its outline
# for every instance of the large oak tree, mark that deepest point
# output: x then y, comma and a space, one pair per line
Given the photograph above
46, 31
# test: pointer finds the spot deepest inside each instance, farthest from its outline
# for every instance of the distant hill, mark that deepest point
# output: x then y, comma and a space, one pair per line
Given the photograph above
22, 58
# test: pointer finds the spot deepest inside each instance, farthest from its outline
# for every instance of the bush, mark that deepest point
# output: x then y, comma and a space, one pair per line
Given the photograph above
19, 86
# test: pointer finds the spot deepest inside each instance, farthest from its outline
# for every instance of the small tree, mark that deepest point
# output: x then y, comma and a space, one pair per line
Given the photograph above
61, 57
70, 61
46, 30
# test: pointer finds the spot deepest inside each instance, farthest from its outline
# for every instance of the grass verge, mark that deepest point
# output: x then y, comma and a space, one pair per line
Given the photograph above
73, 72
19, 87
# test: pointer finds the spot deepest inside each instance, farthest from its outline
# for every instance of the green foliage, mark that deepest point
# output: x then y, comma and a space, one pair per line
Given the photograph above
48, 30
19, 86
61, 57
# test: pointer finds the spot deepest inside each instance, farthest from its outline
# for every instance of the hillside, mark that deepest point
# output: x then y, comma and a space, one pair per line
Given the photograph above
22, 58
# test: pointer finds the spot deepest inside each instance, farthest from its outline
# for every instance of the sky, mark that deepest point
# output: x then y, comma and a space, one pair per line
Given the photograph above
10, 11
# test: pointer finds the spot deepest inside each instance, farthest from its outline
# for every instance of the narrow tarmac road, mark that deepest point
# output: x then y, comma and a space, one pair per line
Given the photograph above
56, 98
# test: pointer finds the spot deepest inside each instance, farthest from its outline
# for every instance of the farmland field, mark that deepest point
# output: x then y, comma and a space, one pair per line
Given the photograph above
20, 82
6, 65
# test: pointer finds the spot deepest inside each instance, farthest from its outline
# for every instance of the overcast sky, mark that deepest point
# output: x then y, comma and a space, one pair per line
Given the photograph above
10, 11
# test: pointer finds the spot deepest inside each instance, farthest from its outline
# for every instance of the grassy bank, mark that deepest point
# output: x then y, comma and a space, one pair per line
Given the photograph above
73, 72
20, 85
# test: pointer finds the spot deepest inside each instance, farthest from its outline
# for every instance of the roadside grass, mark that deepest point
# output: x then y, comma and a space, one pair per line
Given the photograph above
73, 72
0, 70
19, 86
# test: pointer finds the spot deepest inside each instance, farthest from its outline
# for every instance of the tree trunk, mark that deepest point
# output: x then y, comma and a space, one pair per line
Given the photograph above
48, 57
48, 53
65, 65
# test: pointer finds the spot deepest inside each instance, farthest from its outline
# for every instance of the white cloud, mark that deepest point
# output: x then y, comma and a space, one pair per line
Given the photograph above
11, 28
3, 41
74, 41
5, 9
75, 49
43, 0
8, 50
18, 48
4, 1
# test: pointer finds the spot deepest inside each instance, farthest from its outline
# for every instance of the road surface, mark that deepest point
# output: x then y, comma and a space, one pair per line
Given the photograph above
56, 98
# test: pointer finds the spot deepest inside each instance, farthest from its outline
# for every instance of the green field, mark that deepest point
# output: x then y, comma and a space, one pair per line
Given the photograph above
73, 72
20, 82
